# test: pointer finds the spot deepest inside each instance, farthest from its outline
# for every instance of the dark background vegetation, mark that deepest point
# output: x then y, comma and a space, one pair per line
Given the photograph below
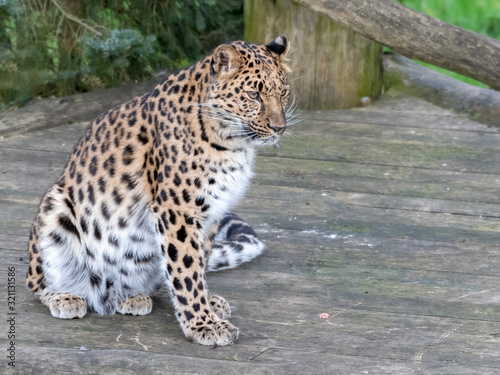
61, 47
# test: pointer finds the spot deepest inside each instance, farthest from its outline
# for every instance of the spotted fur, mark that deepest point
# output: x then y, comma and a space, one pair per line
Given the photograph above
144, 201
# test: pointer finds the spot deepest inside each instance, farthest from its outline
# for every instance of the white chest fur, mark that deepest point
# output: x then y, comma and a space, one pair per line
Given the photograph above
226, 183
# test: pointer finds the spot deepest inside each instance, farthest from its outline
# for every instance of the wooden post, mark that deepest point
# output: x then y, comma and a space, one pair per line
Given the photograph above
333, 67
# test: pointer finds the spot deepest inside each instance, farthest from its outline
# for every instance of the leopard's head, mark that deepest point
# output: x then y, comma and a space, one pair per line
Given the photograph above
250, 94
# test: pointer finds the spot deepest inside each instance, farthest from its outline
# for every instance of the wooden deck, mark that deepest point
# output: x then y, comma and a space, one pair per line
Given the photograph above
387, 218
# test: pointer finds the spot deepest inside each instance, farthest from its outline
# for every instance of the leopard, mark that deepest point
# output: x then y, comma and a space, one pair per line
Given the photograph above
144, 201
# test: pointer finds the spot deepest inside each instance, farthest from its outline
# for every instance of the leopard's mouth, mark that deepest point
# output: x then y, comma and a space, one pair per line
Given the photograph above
265, 140
260, 136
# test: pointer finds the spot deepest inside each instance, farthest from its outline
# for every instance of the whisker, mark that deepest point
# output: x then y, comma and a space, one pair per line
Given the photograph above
291, 108
293, 116
291, 135
247, 135
292, 123
299, 77
254, 135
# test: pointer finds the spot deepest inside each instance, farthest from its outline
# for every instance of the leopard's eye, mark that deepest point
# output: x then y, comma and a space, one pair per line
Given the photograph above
253, 95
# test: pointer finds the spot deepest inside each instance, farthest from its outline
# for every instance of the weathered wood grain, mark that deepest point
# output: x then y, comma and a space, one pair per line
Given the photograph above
48, 113
476, 103
45, 167
417, 113
403, 254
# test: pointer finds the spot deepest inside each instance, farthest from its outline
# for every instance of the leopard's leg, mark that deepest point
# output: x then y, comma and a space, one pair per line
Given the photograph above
61, 305
141, 304
186, 280
35, 279
64, 305
219, 306
235, 243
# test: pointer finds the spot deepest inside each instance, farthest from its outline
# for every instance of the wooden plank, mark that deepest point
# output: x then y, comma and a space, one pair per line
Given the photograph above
395, 337
315, 248
56, 139
388, 112
45, 168
440, 137
271, 327
63, 138
271, 361
314, 201
402, 110
376, 179
333, 286
277, 317
419, 200
343, 212
131, 362
390, 152
50, 113
407, 269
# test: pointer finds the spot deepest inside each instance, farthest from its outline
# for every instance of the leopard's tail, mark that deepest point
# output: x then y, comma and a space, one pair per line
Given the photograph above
235, 243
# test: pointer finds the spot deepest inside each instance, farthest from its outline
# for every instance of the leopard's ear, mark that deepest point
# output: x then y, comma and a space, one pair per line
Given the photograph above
225, 59
279, 47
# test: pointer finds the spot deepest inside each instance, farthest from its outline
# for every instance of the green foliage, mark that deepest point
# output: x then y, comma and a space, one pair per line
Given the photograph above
481, 16
123, 56
185, 29
57, 47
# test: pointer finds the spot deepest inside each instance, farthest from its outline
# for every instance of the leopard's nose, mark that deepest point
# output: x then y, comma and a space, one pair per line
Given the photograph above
278, 129
277, 122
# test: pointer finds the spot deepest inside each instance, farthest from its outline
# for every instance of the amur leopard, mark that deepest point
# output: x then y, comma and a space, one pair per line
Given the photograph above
144, 200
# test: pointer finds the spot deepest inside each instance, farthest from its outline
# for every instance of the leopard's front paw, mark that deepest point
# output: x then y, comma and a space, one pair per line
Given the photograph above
137, 305
219, 306
65, 305
218, 333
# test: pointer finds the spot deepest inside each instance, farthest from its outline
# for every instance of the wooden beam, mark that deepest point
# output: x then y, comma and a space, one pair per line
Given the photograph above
417, 36
405, 75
